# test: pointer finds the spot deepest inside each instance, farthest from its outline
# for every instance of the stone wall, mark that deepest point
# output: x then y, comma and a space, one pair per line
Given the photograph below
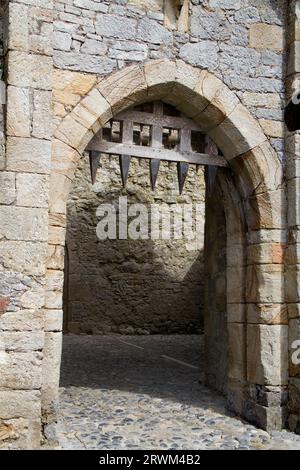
132, 286
2, 90
24, 221
240, 42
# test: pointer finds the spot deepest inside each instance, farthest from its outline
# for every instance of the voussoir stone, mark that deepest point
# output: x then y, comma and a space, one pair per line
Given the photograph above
124, 88
238, 133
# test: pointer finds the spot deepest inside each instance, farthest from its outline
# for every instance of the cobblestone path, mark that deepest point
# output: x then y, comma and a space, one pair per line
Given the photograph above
146, 392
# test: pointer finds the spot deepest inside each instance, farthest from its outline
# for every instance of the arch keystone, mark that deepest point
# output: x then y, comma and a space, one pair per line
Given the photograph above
160, 77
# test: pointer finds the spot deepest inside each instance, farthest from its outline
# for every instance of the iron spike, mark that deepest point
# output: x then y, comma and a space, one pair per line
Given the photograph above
94, 157
124, 161
154, 168
182, 171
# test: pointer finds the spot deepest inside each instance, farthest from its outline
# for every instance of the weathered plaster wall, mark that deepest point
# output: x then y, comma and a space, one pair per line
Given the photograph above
123, 286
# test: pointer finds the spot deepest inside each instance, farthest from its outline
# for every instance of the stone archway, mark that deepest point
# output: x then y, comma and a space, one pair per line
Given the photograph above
254, 201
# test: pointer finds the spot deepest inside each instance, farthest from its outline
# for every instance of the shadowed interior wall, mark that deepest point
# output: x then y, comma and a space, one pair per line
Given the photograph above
132, 286
216, 335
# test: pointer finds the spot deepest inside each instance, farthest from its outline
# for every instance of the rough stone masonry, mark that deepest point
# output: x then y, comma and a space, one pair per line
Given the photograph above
68, 68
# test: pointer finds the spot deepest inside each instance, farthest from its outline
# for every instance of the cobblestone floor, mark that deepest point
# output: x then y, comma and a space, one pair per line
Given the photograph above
131, 392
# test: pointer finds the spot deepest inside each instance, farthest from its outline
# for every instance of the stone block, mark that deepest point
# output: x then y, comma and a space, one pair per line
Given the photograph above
235, 396
267, 395
18, 111
93, 111
294, 310
265, 36
23, 223
54, 279
267, 236
258, 170
18, 30
74, 133
53, 320
57, 235
54, 300
266, 253
221, 105
83, 62
28, 258
55, 258
267, 354
29, 70
7, 187
22, 320
33, 298
60, 186
268, 100
269, 418
236, 313
292, 284
42, 125
124, 87
20, 433
160, 77
22, 341
268, 314
62, 41
28, 155
225, 4
272, 128
292, 254
265, 284
267, 210
152, 32
51, 370
202, 54
32, 190
238, 133
21, 370
21, 403
115, 26
73, 82
92, 46
64, 158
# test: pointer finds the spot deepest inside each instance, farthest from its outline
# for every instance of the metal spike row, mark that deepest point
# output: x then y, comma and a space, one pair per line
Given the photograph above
94, 157
182, 171
154, 168
124, 161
